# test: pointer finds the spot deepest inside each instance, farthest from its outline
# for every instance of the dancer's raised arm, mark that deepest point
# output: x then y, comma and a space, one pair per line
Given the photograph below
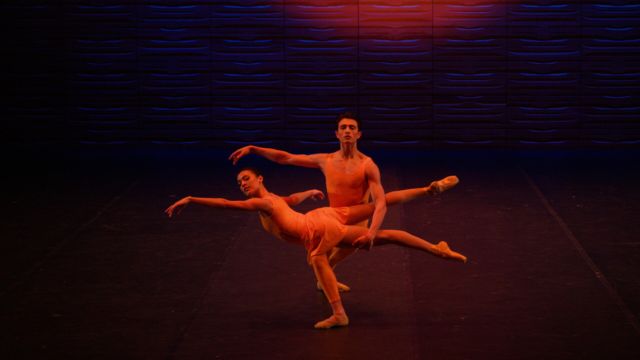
297, 198
279, 156
253, 204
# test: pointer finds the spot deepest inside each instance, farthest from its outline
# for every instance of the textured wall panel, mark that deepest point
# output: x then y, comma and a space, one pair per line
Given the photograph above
247, 44
249, 112
409, 112
321, 78
312, 119
470, 111
395, 78
544, 78
459, 77
395, 44
324, 43
248, 78
419, 73
468, 14
544, 41
394, 14
255, 13
482, 43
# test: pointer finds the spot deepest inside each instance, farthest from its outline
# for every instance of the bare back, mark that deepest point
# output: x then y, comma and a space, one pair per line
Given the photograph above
346, 179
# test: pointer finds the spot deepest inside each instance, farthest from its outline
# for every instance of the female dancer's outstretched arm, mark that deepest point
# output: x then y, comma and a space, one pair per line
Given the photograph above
253, 204
297, 198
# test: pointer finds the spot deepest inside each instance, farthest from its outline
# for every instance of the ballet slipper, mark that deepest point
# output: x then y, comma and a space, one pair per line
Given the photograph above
442, 249
341, 287
436, 187
334, 320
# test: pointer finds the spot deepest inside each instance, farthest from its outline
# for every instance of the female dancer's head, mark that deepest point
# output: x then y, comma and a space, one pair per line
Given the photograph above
250, 181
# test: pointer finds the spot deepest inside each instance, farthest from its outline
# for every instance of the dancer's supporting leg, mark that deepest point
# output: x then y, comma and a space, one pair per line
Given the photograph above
327, 280
335, 256
326, 277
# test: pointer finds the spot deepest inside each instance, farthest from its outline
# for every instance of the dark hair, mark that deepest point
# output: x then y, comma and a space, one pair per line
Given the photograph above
348, 115
255, 171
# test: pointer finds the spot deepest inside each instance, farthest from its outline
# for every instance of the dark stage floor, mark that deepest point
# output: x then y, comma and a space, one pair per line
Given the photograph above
92, 269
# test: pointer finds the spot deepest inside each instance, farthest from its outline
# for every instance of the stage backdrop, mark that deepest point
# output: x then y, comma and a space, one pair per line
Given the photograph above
419, 73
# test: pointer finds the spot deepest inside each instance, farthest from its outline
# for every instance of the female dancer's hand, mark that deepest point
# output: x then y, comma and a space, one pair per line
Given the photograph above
316, 194
177, 206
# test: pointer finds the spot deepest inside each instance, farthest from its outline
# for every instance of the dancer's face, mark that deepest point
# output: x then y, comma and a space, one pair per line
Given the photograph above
249, 183
348, 131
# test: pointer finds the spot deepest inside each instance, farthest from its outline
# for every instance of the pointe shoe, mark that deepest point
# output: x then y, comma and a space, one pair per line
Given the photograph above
443, 184
443, 250
332, 321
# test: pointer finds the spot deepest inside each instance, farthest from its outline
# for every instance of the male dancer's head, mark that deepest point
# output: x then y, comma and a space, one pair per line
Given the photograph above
348, 115
348, 130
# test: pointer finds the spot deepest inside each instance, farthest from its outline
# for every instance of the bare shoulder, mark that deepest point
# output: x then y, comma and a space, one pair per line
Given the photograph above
368, 161
371, 168
262, 204
321, 158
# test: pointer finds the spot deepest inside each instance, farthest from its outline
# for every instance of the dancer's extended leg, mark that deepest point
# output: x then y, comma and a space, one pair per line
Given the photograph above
327, 279
403, 238
358, 213
441, 185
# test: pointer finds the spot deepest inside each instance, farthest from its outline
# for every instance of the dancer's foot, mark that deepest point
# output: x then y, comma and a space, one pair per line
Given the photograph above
333, 321
443, 250
436, 187
341, 287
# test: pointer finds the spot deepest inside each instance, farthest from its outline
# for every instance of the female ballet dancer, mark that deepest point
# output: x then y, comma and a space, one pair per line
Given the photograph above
324, 228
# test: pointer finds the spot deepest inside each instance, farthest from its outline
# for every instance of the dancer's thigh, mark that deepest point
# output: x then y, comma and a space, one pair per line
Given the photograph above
353, 232
359, 213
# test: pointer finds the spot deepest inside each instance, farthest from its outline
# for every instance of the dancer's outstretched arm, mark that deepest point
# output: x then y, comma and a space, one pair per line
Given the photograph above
297, 198
279, 156
254, 204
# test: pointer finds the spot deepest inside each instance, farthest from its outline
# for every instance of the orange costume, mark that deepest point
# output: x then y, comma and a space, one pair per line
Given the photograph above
346, 186
318, 231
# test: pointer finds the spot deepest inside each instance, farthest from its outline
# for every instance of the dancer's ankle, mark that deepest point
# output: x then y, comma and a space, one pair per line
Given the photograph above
337, 308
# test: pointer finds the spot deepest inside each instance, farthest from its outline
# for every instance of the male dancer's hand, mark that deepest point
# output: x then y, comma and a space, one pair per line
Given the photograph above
238, 154
364, 241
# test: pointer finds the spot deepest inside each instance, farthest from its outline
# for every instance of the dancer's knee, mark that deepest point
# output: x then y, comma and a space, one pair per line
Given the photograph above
383, 237
317, 260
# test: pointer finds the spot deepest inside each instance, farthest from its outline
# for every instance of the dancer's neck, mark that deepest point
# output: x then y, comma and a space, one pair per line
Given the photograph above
348, 150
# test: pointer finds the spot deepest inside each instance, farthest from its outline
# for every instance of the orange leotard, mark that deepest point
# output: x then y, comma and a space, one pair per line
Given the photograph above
346, 186
318, 231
